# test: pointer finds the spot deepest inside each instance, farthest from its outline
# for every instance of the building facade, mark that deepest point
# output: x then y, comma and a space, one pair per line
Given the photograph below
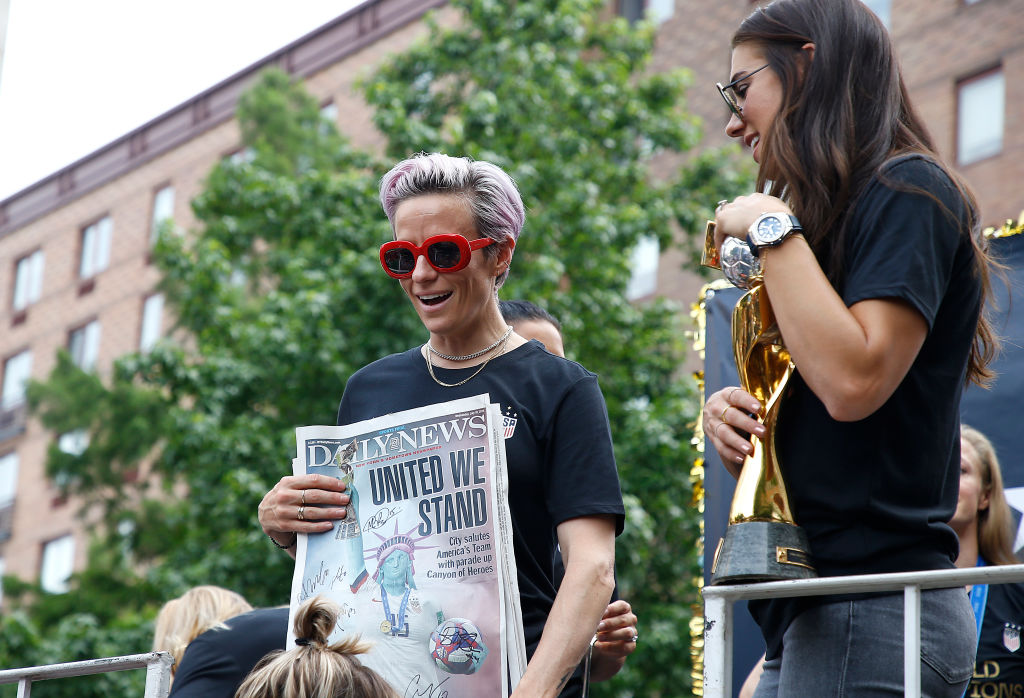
75, 271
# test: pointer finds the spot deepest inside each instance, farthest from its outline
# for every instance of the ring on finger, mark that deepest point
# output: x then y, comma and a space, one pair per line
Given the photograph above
722, 416
731, 392
721, 203
720, 425
303, 503
634, 638
302, 513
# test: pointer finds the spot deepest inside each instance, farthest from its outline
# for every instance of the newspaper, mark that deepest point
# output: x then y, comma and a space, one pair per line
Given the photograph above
422, 566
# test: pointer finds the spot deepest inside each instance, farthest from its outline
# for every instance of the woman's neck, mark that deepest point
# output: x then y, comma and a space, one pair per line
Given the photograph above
969, 549
487, 333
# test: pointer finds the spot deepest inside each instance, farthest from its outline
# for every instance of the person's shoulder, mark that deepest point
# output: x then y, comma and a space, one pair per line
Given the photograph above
386, 364
916, 170
533, 354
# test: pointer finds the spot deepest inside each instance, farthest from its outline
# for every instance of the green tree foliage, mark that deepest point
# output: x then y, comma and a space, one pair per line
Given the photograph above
279, 297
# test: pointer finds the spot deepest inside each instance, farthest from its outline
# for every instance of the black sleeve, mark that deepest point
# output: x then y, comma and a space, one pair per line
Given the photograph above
206, 670
582, 478
902, 244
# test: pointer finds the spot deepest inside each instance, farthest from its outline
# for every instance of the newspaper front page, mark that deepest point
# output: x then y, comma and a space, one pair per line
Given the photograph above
422, 566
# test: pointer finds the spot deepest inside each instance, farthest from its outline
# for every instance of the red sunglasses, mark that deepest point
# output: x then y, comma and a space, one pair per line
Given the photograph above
447, 252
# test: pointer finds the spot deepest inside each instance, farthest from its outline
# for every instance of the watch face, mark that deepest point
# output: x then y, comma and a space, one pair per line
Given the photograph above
769, 229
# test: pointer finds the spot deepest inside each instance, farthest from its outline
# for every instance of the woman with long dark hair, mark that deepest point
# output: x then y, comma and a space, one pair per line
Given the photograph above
873, 262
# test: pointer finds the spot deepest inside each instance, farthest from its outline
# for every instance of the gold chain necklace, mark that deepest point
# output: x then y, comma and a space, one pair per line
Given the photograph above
430, 366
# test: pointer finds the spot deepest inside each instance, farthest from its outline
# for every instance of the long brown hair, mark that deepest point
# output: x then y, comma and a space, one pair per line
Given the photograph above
995, 523
838, 125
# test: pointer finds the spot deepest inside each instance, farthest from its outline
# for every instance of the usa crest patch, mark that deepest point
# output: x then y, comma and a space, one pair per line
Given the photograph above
1011, 637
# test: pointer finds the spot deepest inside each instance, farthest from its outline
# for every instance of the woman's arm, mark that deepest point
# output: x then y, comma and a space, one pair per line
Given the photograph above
852, 358
588, 546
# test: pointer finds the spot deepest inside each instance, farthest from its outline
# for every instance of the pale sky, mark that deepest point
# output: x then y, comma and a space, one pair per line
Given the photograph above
78, 74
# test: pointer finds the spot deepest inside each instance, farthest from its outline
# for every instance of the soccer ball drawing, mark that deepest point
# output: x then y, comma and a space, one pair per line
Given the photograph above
457, 646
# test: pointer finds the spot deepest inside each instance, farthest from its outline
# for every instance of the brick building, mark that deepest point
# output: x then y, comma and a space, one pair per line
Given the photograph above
74, 268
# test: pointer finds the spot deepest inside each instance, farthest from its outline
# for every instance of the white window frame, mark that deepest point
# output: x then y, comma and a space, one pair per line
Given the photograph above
163, 210
95, 247
17, 371
8, 478
152, 321
981, 116
28, 280
644, 258
57, 564
84, 345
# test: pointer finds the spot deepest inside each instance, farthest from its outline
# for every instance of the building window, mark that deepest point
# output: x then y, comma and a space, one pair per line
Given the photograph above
58, 563
163, 210
74, 442
152, 321
882, 8
644, 263
84, 344
329, 112
980, 108
28, 280
17, 370
242, 156
95, 247
8, 478
635, 10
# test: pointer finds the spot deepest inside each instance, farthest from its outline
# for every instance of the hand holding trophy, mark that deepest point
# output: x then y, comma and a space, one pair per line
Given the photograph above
762, 541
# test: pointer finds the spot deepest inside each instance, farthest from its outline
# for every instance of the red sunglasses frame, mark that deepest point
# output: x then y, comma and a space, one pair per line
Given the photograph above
465, 246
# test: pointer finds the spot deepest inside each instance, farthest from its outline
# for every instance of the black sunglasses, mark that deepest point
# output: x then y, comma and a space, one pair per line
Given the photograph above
728, 91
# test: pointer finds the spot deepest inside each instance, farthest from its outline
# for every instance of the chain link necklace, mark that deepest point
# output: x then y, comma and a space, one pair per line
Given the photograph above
467, 357
430, 366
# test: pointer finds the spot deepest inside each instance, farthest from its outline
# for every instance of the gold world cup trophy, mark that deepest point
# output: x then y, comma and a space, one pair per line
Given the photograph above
762, 541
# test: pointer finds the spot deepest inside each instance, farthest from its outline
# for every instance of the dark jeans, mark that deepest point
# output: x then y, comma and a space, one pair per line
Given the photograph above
854, 649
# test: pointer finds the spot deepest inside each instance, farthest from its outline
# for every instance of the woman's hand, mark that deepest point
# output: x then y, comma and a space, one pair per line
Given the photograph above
734, 218
726, 412
616, 640
302, 504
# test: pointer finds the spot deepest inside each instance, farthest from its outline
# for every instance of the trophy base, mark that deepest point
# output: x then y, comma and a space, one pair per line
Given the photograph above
762, 551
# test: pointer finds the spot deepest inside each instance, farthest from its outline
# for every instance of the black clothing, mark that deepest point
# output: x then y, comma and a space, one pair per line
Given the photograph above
875, 495
999, 669
560, 459
217, 662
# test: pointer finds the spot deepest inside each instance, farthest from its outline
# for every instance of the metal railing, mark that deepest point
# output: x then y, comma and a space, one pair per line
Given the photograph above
718, 602
156, 664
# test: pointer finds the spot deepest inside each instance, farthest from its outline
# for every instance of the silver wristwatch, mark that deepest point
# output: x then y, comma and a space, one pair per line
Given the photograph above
771, 230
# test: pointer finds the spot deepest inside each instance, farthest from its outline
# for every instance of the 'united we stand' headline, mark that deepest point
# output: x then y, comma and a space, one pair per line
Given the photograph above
423, 477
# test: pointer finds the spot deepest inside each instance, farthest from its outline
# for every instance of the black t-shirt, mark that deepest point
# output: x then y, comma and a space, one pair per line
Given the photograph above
875, 495
999, 668
560, 459
216, 662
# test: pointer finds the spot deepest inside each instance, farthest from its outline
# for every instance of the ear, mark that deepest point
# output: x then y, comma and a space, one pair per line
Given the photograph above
504, 258
805, 60
984, 499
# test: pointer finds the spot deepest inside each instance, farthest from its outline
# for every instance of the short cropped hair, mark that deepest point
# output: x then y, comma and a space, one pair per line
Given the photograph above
314, 669
493, 198
519, 310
